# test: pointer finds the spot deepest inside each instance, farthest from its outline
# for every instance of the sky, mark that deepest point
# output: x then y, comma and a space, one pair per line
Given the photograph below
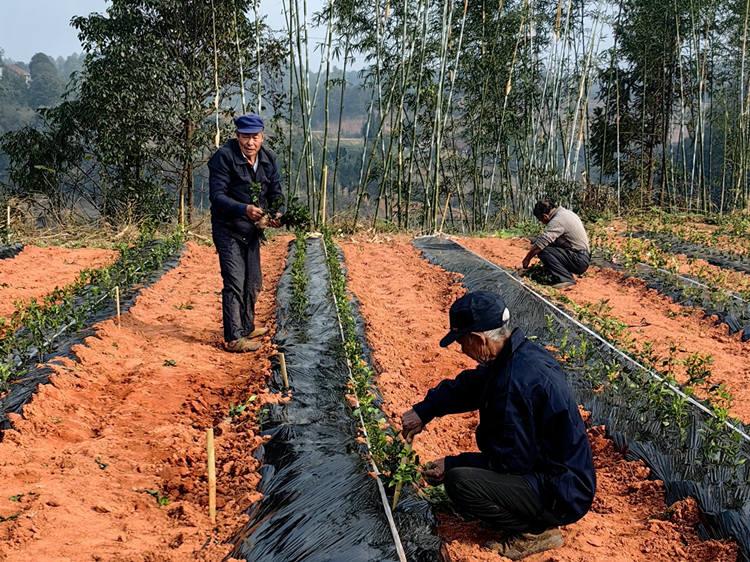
28, 27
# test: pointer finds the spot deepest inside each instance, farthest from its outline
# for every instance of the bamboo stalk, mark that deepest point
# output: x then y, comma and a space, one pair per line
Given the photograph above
323, 189
239, 57
259, 65
211, 474
217, 136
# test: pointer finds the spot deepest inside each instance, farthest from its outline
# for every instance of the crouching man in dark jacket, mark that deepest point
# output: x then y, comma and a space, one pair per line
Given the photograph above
244, 180
535, 470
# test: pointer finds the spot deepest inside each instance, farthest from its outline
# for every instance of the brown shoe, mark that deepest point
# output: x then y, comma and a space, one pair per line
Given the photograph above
242, 345
257, 333
528, 544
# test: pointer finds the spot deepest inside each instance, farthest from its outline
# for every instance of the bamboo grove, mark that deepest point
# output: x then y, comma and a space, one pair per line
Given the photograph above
470, 110
477, 108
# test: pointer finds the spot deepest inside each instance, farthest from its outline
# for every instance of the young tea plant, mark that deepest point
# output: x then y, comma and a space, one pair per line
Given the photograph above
396, 461
299, 278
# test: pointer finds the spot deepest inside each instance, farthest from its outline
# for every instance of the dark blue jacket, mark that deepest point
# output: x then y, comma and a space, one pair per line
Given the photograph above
230, 179
529, 424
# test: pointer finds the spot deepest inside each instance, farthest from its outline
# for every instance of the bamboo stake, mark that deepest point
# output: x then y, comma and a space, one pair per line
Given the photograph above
283, 371
211, 474
117, 306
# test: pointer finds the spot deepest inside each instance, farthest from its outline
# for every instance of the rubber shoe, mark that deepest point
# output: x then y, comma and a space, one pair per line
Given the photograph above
528, 544
242, 345
257, 333
563, 285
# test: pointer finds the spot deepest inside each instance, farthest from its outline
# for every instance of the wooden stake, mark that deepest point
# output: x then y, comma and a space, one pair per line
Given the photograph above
323, 190
117, 305
211, 474
282, 368
7, 219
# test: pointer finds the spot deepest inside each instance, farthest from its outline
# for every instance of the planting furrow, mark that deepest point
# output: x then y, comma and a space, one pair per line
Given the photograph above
405, 308
694, 449
320, 498
38, 332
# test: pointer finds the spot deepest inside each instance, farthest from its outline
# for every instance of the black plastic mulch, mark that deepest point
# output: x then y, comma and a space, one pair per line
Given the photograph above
10, 250
22, 390
679, 459
731, 309
319, 503
714, 256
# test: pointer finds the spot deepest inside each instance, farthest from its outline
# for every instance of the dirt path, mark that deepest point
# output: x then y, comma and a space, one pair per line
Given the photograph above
651, 317
405, 302
37, 271
129, 416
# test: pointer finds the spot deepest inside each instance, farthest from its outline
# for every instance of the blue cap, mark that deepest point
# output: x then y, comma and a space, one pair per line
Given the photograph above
250, 123
479, 311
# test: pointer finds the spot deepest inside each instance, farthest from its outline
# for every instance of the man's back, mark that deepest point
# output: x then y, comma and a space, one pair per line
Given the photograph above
530, 424
564, 230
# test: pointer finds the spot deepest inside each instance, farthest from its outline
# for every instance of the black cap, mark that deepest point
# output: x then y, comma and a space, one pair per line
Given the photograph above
479, 311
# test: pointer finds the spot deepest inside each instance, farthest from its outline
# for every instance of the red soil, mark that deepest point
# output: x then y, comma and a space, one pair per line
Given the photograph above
405, 302
120, 420
726, 278
36, 272
651, 317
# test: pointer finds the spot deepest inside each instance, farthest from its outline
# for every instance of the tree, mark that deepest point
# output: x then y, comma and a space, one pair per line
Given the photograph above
45, 89
147, 106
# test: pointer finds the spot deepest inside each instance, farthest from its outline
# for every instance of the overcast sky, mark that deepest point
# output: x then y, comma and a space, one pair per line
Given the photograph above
31, 26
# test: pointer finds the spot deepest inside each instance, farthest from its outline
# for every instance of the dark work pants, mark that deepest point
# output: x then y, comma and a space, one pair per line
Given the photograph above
240, 271
505, 502
562, 263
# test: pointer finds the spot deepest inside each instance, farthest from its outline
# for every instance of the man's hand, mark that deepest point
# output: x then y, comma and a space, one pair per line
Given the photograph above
275, 222
434, 471
253, 213
526, 262
410, 425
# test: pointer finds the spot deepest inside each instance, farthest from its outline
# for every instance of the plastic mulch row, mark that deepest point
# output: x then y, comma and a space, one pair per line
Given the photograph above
677, 457
319, 502
730, 309
714, 256
10, 251
37, 372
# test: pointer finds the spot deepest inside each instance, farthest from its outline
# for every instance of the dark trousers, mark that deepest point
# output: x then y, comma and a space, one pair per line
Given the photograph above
562, 263
505, 502
239, 260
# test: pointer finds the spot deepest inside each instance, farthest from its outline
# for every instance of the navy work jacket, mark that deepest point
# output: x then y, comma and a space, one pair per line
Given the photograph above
529, 425
230, 180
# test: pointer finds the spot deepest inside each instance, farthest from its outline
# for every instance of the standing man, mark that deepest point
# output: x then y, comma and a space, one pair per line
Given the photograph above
563, 247
534, 470
243, 180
